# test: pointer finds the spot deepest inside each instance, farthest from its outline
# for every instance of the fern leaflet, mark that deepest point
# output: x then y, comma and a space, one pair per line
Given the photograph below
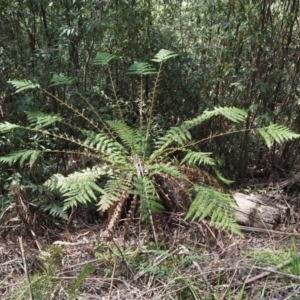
40, 119
61, 80
23, 85
21, 156
218, 206
277, 133
193, 158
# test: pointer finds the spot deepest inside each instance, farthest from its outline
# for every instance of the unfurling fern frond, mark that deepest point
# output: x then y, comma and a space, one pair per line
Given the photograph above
61, 80
193, 158
23, 85
40, 119
234, 114
7, 127
217, 206
130, 137
149, 201
277, 133
78, 187
103, 58
114, 190
21, 156
163, 54
141, 68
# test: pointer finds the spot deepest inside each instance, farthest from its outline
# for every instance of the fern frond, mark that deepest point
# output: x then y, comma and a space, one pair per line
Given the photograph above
55, 210
141, 68
179, 135
7, 127
163, 54
104, 144
222, 178
61, 80
131, 137
217, 206
234, 114
114, 189
40, 119
193, 158
103, 58
21, 156
147, 193
23, 85
277, 133
78, 187
165, 168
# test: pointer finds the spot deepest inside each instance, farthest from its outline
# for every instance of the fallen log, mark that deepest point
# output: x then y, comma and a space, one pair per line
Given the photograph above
251, 210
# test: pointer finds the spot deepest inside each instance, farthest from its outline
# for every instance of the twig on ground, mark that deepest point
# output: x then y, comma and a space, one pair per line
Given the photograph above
25, 269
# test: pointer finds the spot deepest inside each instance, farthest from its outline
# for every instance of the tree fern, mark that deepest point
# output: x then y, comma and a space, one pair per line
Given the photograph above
277, 133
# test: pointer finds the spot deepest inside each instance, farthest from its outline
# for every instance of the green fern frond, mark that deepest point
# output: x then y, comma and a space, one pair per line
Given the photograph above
148, 197
113, 191
179, 135
40, 119
104, 144
55, 210
217, 206
165, 168
23, 85
163, 54
78, 187
141, 68
193, 158
7, 127
131, 137
222, 178
277, 133
231, 113
61, 80
21, 156
103, 58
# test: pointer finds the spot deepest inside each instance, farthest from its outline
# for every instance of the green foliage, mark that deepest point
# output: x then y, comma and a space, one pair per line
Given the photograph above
103, 58
61, 80
193, 158
39, 119
163, 55
127, 159
78, 187
277, 133
86, 271
23, 85
219, 206
21, 156
140, 68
